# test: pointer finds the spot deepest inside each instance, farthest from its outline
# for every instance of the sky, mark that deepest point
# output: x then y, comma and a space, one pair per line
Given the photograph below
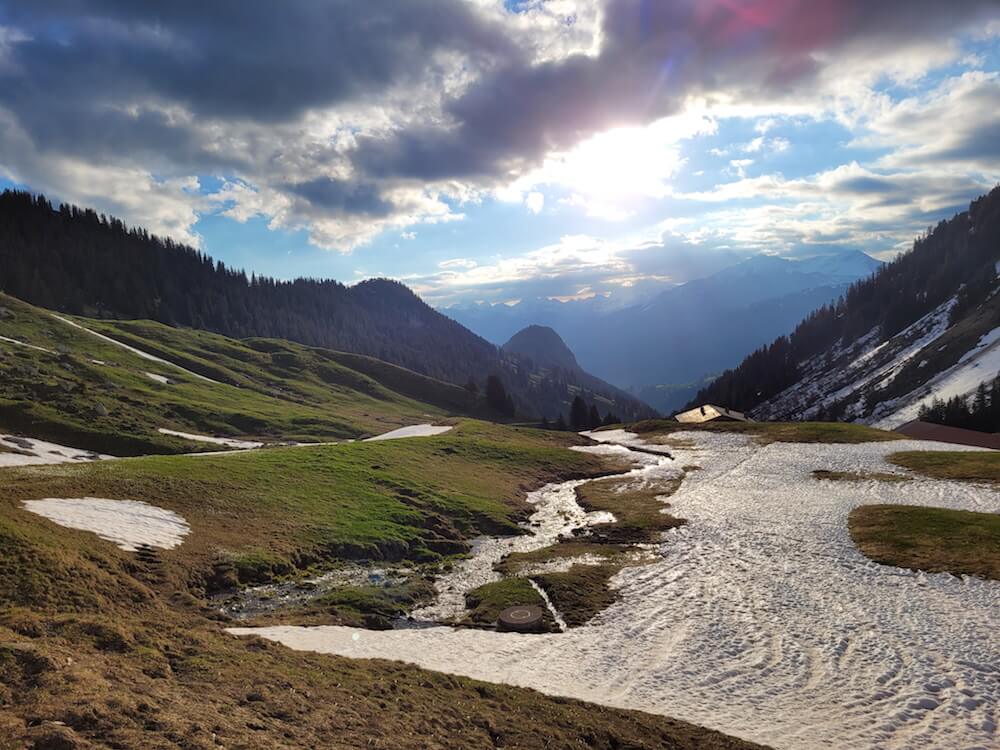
497, 150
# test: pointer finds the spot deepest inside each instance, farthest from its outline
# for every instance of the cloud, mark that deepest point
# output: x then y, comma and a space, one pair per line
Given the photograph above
350, 119
600, 267
535, 202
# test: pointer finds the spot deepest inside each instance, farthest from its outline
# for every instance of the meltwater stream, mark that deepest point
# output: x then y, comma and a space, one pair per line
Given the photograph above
557, 515
760, 618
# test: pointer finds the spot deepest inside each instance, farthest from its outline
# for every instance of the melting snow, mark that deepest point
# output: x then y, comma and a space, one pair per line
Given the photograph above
33, 452
228, 442
557, 514
979, 364
760, 618
158, 378
415, 430
848, 371
29, 346
138, 352
130, 524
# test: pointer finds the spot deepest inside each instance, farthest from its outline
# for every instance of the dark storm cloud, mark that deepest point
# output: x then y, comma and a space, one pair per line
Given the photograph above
231, 58
343, 196
654, 53
183, 88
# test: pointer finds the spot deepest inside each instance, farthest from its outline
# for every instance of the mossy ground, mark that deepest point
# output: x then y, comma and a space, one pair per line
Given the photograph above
101, 649
486, 602
932, 539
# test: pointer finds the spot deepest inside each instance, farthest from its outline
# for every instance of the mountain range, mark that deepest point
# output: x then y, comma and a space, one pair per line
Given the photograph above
75, 261
666, 348
925, 327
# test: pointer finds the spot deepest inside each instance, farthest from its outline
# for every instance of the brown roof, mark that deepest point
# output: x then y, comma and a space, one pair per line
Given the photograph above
928, 431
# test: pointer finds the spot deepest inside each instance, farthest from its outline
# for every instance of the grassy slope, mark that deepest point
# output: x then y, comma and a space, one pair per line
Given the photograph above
129, 656
933, 539
269, 389
264, 513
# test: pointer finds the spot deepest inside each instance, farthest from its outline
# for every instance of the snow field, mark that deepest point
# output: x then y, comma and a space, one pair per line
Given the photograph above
760, 619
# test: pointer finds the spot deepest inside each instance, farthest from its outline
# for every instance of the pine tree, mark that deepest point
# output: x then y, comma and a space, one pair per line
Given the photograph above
579, 418
594, 418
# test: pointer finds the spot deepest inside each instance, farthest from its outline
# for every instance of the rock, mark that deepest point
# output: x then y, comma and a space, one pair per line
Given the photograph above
101, 409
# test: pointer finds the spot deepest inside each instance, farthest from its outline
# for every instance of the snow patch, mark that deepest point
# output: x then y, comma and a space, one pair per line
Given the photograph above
29, 346
415, 430
228, 442
158, 378
129, 524
31, 452
980, 364
137, 352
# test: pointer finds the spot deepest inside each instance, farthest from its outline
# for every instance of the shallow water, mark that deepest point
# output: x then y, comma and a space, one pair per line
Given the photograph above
557, 515
760, 618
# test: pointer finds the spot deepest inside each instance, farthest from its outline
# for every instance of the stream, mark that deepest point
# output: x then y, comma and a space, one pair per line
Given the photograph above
557, 516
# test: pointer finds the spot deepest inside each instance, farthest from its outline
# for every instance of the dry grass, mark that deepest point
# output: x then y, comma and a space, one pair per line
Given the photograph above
855, 476
636, 505
580, 593
962, 466
932, 539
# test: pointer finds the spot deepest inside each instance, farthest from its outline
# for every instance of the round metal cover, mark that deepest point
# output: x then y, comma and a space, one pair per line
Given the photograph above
522, 618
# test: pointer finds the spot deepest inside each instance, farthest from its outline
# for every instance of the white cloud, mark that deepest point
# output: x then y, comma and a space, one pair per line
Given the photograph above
534, 202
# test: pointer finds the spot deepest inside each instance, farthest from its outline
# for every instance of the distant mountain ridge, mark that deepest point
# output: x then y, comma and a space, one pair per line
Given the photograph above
663, 349
543, 346
925, 326
540, 350
76, 261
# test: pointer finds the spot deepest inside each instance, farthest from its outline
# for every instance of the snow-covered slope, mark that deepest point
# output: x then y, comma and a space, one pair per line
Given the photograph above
886, 383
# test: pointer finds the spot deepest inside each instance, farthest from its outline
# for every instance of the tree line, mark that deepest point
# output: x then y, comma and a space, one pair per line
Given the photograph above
78, 261
957, 257
980, 411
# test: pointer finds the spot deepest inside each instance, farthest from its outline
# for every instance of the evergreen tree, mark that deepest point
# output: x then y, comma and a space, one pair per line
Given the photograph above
594, 418
496, 394
579, 418
561, 423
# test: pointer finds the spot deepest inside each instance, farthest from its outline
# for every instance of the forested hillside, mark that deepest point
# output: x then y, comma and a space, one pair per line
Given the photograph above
950, 272
76, 261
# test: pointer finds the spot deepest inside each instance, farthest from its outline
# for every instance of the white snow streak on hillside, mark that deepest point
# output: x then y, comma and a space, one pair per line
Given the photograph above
979, 364
129, 524
826, 382
761, 619
33, 452
137, 352
163, 380
29, 346
415, 430
228, 442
